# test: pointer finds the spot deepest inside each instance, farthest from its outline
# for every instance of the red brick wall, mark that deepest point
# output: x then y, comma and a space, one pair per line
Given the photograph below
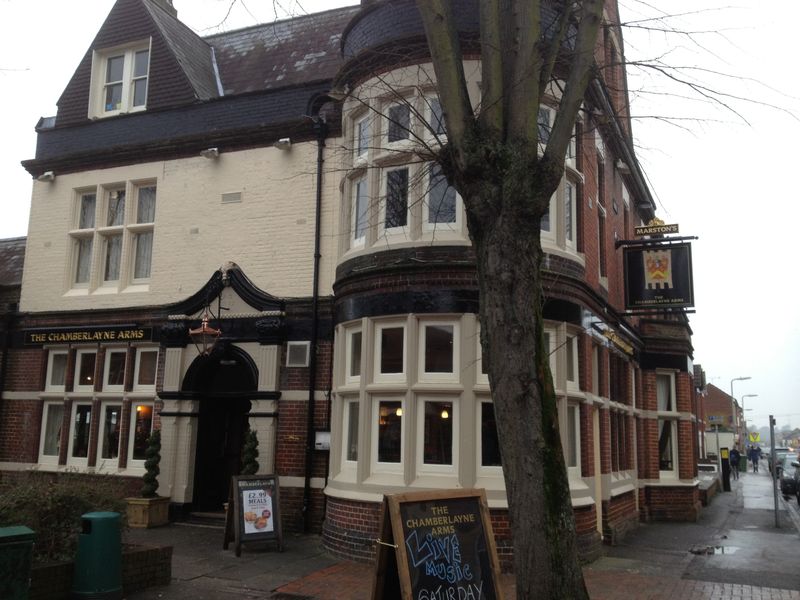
672, 503
24, 370
351, 527
619, 517
21, 423
587, 440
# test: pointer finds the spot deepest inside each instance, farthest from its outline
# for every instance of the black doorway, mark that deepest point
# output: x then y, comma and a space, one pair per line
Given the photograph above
224, 382
221, 428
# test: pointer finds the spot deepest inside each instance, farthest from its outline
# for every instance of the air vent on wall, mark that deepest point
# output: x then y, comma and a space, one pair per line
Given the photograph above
297, 354
231, 197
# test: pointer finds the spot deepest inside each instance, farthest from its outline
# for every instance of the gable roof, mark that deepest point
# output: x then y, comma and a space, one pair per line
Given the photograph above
193, 54
181, 63
12, 256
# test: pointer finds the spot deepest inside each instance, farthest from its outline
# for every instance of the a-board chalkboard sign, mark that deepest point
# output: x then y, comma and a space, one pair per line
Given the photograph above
440, 545
254, 513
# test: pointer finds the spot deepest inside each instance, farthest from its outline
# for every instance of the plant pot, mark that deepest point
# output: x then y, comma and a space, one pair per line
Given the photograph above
148, 512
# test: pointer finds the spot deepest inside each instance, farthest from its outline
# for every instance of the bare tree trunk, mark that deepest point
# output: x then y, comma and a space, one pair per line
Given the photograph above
542, 523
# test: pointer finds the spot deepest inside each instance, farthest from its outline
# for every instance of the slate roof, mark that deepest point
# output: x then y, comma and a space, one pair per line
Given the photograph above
12, 256
284, 53
193, 54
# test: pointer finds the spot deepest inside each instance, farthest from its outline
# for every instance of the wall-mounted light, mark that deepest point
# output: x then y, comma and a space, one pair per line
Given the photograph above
339, 93
283, 144
210, 153
205, 336
399, 412
46, 176
445, 414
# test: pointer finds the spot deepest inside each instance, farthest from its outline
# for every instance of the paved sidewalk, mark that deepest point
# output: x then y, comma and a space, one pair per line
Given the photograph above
733, 552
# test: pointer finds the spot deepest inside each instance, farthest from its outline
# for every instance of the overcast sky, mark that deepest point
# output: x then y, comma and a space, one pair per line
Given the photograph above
727, 181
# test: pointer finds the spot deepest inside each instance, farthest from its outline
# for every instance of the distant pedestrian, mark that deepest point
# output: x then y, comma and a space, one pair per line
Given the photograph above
734, 461
755, 456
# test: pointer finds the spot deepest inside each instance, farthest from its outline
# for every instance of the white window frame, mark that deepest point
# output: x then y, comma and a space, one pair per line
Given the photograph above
670, 416
348, 364
430, 101
376, 465
131, 431
360, 155
77, 460
378, 349
98, 79
384, 201
574, 472
434, 227
347, 404
101, 430
359, 183
571, 240
49, 387
551, 234
107, 364
387, 124
137, 363
573, 385
77, 387
483, 471
50, 458
481, 378
135, 229
424, 468
455, 374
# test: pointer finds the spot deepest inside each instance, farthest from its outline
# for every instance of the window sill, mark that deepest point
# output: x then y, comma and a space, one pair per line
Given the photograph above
77, 292
136, 288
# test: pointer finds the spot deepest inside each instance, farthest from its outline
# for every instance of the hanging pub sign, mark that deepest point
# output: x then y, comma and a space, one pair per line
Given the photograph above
655, 227
253, 511
77, 335
436, 545
658, 276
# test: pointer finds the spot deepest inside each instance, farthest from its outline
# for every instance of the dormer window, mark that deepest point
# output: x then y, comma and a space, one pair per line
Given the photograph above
119, 80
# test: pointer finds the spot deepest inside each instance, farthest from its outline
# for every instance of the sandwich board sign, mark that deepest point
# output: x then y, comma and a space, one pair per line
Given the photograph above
436, 544
254, 512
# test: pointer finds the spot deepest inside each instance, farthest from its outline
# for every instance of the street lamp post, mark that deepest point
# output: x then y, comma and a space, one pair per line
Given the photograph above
744, 416
733, 405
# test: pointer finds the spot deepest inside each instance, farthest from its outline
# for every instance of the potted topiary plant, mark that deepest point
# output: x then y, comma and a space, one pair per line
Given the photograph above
250, 453
149, 510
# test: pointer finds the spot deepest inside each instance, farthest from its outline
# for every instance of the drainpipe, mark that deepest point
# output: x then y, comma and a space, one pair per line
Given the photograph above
321, 129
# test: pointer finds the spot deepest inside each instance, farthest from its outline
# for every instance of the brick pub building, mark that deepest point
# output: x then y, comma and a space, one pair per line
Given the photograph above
185, 177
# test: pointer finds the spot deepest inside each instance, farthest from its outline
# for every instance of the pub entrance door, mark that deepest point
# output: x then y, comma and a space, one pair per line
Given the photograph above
221, 428
223, 383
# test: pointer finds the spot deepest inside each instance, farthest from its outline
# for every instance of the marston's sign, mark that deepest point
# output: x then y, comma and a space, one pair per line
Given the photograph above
115, 333
655, 227
658, 277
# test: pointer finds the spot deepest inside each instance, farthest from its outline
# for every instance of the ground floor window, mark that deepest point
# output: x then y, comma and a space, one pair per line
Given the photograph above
141, 426
81, 428
52, 421
666, 445
490, 445
438, 433
110, 426
390, 432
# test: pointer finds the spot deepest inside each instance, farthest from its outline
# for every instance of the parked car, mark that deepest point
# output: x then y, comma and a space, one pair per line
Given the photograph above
787, 475
796, 466
779, 454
